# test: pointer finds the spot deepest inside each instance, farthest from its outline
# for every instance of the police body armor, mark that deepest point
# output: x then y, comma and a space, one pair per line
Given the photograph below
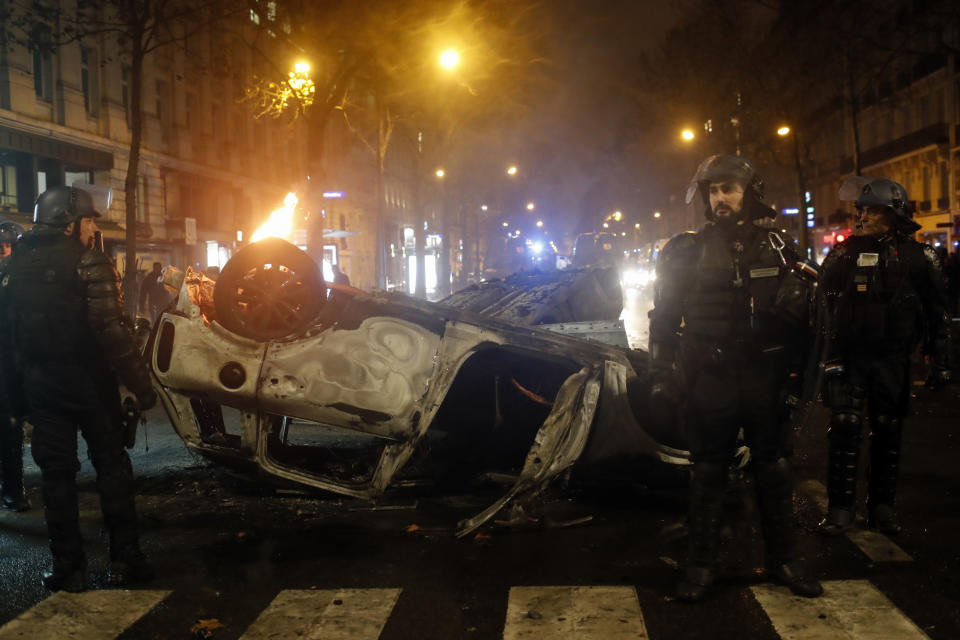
52, 329
870, 284
743, 288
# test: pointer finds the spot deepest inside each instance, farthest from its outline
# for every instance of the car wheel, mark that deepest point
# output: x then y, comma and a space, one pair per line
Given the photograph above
268, 290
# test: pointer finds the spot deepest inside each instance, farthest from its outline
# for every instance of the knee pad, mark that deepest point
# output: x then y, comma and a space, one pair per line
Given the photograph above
845, 429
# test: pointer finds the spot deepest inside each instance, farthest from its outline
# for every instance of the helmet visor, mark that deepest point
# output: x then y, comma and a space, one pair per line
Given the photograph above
852, 187
102, 196
697, 179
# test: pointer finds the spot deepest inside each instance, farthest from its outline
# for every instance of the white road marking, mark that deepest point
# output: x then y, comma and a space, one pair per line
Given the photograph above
330, 614
91, 615
876, 546
585, 613
847, 610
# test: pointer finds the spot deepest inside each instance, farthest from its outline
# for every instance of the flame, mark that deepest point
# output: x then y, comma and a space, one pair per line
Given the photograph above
280, 222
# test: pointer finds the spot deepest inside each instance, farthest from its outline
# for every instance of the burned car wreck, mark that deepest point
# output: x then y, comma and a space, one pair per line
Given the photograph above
352, 392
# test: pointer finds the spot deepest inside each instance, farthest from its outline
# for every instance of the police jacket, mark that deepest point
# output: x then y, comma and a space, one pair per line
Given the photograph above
883, 294
730, 288
63, 309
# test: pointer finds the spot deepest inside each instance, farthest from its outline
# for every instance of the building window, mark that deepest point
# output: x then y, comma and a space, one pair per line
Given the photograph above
254, 17
8, 185
42, 75
88, 80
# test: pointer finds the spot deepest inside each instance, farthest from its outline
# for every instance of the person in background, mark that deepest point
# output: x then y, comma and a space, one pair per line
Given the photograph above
12, 495
154, 297
884, 294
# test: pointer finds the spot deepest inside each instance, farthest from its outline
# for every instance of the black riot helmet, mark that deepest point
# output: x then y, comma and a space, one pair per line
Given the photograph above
880, 192
9, 232
719, 168
59, 206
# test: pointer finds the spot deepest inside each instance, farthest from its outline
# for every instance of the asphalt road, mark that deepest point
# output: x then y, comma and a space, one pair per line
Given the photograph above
237, 560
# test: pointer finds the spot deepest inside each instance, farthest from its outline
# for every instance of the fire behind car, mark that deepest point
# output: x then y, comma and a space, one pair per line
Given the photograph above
357, 392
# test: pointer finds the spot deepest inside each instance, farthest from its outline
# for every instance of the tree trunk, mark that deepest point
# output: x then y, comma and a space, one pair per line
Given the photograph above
851, 100
130, 289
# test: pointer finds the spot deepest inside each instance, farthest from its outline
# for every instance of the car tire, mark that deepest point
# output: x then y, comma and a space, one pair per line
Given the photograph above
269, 290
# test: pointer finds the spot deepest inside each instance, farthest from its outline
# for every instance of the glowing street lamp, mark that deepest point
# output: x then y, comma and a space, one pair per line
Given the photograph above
687, 134
483, 207
512, 170
656, 214
440, 173
606, 225
636, 225
783, 131
449, 59
505, 225
617, 215
540, 223
530, 206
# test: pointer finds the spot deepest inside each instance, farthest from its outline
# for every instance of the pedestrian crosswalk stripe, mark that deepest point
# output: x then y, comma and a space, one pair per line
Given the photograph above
91, 615
847, 610
877, 547
585, 613
331, 614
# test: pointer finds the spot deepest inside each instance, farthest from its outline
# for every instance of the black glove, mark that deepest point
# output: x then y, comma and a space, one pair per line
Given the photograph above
147, 399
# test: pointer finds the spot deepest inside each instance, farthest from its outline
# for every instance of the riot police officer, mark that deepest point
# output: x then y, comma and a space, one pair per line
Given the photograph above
70, 344
884, 293
729, 329
12, 496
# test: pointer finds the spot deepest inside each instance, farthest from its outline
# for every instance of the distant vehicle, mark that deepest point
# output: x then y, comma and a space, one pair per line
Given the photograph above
520, 253
597, 250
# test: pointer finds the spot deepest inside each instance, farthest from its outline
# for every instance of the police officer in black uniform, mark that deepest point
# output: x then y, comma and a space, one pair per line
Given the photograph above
729, 328
884, 294
70, 345
12, 496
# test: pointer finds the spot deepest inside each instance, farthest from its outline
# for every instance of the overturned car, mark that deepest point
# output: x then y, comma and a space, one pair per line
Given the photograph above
334, 388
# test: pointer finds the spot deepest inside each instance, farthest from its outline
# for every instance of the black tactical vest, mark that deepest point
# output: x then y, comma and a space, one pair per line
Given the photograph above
45, 302
876, 303
734, 293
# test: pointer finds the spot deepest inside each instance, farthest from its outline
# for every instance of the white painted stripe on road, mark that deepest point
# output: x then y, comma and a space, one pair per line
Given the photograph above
585, 613
91, 615
847, 610
877, 547
330, 614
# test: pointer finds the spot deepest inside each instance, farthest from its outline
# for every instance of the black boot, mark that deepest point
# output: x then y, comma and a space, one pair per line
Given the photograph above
842, 473
129, 566
68, 574
707, 482
791, 575
774, 482
884, 472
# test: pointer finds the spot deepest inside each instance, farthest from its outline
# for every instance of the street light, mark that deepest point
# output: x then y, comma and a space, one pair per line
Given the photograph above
617, 215
656, 214
505, 224
783, 131
512, 170
530, 206
687, 134
539, 223
449, 59
441, 173
483, 207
